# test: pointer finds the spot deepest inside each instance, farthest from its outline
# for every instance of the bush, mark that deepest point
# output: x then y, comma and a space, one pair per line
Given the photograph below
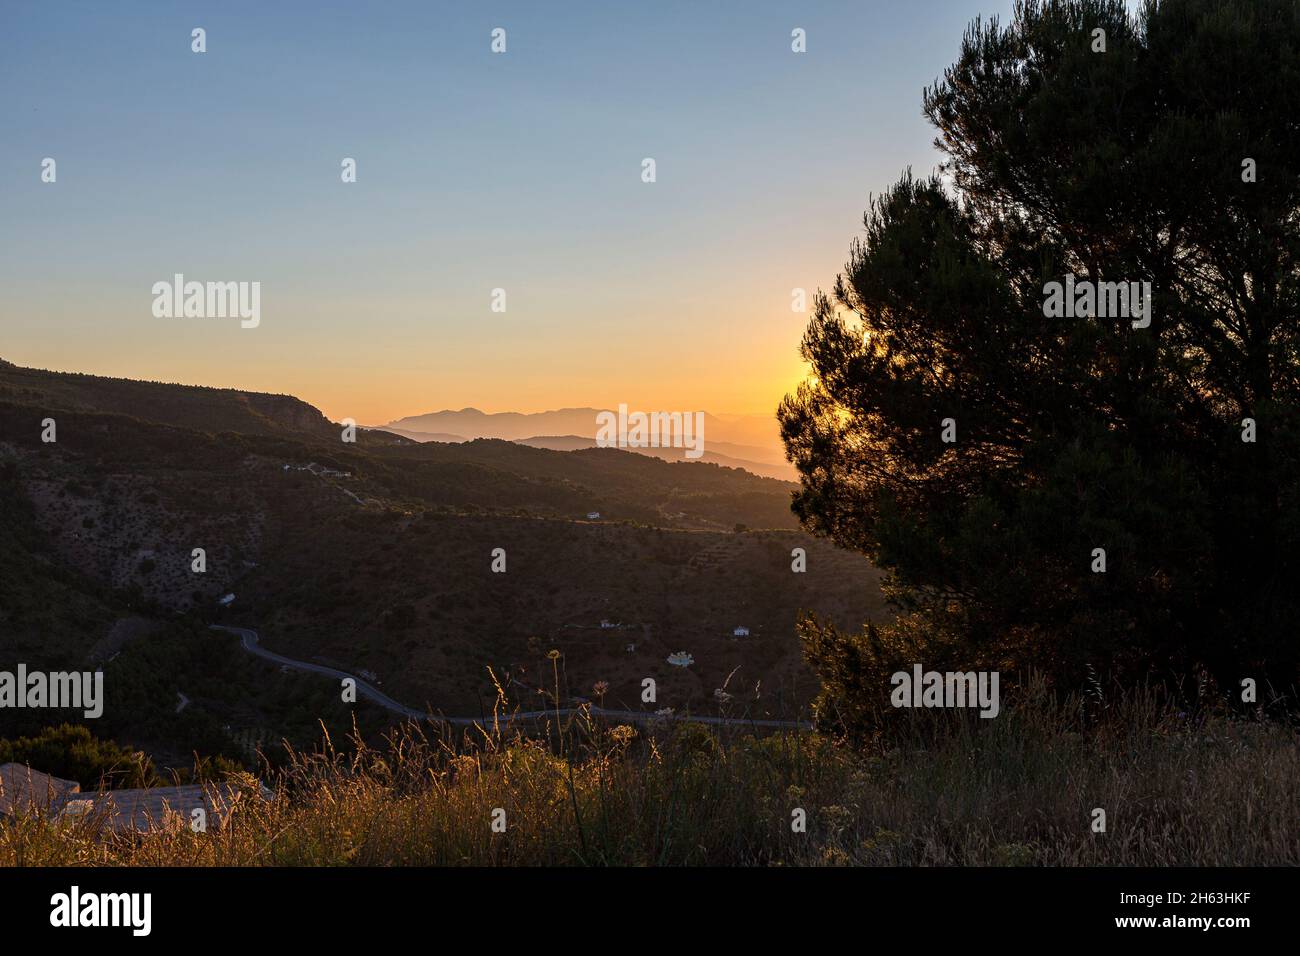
73, 753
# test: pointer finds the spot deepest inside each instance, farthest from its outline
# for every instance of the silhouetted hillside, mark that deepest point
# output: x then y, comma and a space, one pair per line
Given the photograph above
186, 406
377, 556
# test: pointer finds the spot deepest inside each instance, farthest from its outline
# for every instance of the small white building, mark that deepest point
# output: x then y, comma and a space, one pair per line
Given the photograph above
741, 631
593, 515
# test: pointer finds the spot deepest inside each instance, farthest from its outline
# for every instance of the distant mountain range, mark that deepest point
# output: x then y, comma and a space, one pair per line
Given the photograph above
746, 441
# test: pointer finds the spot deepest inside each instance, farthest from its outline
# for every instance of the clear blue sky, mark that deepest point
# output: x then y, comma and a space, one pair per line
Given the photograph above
475, 171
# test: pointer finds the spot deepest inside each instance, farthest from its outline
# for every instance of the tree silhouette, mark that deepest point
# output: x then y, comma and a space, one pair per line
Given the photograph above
981, 450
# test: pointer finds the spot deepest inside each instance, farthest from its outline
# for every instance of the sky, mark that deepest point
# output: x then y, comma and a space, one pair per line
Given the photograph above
476, 171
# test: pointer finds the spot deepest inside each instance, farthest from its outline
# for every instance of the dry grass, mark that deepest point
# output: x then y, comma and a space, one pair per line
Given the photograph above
951, 789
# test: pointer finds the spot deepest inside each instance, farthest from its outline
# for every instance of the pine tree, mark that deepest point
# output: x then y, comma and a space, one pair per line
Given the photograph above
982, 451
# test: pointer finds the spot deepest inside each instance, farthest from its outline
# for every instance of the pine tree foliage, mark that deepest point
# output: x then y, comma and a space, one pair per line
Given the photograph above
1173, 157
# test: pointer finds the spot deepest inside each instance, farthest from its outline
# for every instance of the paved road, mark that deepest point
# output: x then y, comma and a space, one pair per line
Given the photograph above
249, 640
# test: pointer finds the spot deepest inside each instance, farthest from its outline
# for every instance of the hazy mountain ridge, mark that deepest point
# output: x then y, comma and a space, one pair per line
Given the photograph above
736, 442
716, 453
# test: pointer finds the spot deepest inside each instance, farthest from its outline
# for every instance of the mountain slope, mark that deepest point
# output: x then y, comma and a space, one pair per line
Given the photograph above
186, 406
378, 556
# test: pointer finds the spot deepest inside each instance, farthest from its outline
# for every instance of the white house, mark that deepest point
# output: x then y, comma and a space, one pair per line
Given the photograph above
741, 631
593, 515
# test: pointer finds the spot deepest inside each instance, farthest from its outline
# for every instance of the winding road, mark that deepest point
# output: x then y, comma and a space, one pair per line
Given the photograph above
249, 641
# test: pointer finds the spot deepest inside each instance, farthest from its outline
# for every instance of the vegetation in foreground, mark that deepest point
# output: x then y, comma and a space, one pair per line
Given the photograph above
945, 789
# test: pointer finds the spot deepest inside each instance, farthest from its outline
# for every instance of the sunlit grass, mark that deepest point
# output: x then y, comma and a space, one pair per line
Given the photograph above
948, 789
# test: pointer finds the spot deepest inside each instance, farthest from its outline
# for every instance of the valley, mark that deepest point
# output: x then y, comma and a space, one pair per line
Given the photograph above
374, 558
